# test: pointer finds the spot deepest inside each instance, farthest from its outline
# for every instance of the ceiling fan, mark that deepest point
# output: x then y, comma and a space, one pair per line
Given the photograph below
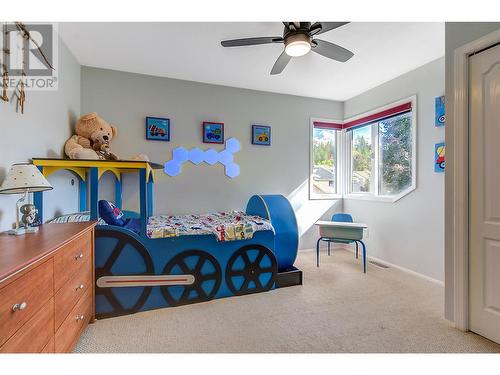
298, 40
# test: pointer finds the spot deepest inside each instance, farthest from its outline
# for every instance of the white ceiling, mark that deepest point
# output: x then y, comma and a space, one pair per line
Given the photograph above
192, 51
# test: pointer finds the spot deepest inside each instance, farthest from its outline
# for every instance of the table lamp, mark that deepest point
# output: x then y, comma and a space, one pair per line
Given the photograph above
24, 178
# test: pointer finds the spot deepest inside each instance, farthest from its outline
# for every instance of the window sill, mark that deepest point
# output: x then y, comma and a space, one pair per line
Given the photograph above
329, 197
387, 199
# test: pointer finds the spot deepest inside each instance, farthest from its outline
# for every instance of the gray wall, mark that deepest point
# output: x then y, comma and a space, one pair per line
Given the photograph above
409, 232
457, 34
125, 99
41, 132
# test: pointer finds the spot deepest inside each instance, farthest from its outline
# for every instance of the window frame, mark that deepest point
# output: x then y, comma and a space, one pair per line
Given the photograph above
374, 195
339, 168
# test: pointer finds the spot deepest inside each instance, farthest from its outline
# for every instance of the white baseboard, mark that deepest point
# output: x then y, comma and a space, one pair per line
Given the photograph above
389, 264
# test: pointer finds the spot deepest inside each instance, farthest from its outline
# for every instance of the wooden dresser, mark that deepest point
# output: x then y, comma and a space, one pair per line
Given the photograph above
46, 288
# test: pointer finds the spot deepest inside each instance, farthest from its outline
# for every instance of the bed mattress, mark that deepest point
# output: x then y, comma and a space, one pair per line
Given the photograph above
225, 226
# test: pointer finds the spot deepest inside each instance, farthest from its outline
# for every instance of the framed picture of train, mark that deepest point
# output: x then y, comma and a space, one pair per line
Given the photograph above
261, 135
213, 132
158, 129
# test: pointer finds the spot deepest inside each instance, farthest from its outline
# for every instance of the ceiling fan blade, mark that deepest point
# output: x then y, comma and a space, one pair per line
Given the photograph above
323, 27
281, 63
330, 50
251, 41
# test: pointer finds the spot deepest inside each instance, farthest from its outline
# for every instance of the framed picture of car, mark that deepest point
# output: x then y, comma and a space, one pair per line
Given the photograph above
213, 132
261, 135
158, 129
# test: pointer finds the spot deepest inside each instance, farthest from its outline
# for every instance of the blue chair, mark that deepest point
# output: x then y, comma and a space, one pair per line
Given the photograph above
342, 218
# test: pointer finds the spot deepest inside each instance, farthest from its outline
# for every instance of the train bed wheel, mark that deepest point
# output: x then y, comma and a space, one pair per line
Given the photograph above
207, 278
251, 269
124, 243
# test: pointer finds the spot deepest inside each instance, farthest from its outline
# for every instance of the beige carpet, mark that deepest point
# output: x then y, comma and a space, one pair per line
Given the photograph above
338, 309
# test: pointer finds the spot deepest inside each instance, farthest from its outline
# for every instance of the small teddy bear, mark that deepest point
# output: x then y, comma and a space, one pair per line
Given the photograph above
103, 151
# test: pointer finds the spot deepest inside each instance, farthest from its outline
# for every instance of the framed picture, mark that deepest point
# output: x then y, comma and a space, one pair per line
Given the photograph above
213, 132
261, 135
158, 129
439, 111
439, 157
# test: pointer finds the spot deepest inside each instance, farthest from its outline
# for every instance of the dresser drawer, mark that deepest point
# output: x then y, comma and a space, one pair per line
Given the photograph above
23, 298
75, 322
70, 259
35, 335
71, 291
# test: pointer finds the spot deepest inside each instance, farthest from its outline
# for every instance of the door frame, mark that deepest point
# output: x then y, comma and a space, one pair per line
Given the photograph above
460, 176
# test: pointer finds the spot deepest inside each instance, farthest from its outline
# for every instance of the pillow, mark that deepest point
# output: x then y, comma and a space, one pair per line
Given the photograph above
111, 214
76, 217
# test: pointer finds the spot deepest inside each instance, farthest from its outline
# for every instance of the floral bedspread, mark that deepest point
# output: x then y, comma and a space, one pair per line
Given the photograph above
226, 226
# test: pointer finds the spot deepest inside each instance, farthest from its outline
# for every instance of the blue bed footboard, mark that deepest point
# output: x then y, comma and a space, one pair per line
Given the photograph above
279, 211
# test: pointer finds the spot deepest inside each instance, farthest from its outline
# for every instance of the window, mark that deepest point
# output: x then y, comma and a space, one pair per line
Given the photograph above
395, 139
324, 157
362, 159
381, 153
371, 156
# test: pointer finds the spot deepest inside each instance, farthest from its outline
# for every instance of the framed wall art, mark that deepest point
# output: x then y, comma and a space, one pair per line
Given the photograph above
439, 111
213, 132
439, 157
158, 129
261, 135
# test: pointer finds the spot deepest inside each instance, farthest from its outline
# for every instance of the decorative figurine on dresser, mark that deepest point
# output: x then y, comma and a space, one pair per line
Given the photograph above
24, 178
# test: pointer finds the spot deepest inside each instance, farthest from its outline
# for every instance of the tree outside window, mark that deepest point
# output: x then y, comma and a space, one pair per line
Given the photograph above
395, 154
361, 159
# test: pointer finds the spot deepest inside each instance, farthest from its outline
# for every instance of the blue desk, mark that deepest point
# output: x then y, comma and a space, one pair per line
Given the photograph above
345, 232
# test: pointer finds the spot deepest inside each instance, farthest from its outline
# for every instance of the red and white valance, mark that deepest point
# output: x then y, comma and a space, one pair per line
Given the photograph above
365, 120
328, 125
378, 116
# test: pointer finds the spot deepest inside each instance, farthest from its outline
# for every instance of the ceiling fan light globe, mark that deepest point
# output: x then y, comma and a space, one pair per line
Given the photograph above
297, 45
298, 48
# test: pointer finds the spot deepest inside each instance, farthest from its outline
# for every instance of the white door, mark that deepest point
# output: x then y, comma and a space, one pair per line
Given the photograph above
484, 193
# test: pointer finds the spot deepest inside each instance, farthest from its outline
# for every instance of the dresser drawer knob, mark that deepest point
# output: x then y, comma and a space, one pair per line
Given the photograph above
80, 256
79, 287
19, 306
80, 317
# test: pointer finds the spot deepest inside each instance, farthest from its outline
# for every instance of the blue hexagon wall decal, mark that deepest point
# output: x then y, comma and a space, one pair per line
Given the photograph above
196, 156
225, 157
232, 170
180, 154
233, 145
211, 156
172, 168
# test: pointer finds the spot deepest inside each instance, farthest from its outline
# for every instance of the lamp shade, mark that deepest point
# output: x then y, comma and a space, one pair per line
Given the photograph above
23, 178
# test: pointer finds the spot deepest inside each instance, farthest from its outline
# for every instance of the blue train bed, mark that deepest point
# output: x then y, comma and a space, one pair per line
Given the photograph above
156, 265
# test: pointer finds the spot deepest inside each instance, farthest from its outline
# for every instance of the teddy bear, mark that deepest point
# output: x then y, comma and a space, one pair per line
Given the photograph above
92, 133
